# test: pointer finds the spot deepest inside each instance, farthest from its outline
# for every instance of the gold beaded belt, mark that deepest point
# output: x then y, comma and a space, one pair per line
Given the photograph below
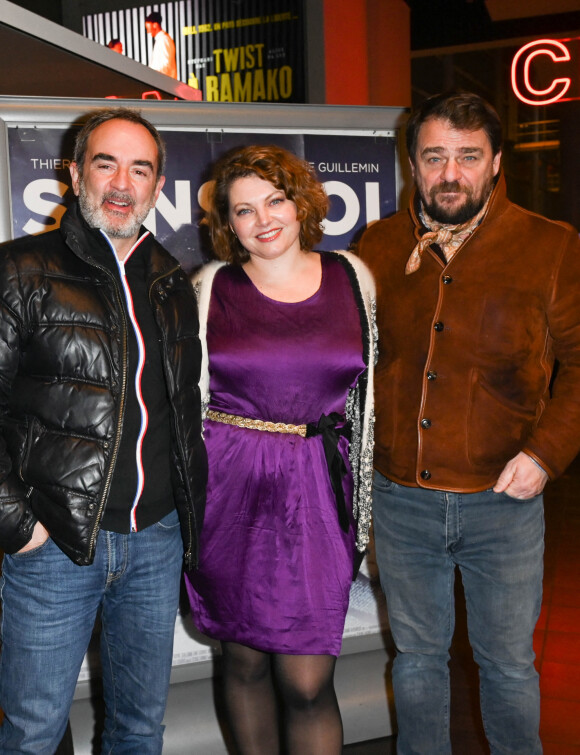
326, 426
256, 424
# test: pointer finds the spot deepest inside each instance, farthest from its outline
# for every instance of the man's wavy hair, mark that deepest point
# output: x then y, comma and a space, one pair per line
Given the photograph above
465, 111
282, 169
98, 117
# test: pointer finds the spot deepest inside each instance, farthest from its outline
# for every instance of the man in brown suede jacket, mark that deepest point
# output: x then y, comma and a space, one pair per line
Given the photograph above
477, 298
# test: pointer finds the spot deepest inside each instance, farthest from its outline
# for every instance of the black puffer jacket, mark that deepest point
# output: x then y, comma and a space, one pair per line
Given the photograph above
63, 382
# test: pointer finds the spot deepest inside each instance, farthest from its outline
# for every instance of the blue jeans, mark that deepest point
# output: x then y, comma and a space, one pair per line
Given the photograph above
498, 544
49, 609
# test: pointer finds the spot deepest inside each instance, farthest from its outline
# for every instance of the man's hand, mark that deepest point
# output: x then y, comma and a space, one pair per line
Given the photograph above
39, 536
521, 478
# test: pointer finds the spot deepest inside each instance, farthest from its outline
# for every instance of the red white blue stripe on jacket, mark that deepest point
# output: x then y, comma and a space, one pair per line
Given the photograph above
138, 375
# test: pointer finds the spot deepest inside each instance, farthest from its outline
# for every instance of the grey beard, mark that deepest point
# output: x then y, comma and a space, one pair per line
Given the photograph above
97, 218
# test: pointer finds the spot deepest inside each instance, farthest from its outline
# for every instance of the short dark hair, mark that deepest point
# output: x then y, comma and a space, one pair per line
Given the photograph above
284, 170
98, 117
154, 17
463, 110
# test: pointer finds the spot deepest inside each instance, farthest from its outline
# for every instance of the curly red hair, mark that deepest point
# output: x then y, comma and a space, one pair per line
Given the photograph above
282, 169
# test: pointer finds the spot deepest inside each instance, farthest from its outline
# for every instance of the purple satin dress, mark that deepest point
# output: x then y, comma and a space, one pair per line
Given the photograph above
275, 566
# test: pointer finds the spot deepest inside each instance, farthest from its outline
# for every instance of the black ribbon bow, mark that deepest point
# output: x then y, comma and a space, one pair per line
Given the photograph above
326, 427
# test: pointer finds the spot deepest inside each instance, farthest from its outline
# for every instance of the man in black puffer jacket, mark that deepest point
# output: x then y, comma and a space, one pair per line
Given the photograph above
102, 462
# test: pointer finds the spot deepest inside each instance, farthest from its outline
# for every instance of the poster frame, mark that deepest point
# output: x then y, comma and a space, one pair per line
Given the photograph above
31, 112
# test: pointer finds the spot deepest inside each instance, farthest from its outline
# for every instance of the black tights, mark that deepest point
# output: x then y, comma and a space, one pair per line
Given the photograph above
254, 682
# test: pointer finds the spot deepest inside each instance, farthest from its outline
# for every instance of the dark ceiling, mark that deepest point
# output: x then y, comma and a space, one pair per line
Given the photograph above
446, 23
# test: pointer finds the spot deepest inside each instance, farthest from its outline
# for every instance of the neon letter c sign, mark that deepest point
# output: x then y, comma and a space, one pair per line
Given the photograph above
558, 88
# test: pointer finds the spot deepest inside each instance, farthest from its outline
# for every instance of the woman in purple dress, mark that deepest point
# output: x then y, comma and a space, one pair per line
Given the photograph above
287, 385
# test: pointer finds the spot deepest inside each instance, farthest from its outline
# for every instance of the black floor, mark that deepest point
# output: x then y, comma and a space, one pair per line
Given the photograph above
374, 747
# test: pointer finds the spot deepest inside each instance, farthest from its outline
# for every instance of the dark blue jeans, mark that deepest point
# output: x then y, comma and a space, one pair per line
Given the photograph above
49, 607
498, 543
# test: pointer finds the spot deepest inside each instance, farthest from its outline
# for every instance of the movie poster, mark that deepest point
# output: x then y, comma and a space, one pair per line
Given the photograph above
233, 50
357, 171
248, 52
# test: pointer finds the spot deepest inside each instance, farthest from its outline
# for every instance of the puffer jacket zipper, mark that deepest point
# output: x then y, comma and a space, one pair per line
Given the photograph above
177, 434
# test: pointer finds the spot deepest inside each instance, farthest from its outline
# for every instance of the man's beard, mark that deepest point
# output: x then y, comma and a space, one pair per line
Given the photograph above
455, 215
126, 226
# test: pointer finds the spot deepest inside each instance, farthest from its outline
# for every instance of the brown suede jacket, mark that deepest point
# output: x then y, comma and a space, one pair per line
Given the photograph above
467, 349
